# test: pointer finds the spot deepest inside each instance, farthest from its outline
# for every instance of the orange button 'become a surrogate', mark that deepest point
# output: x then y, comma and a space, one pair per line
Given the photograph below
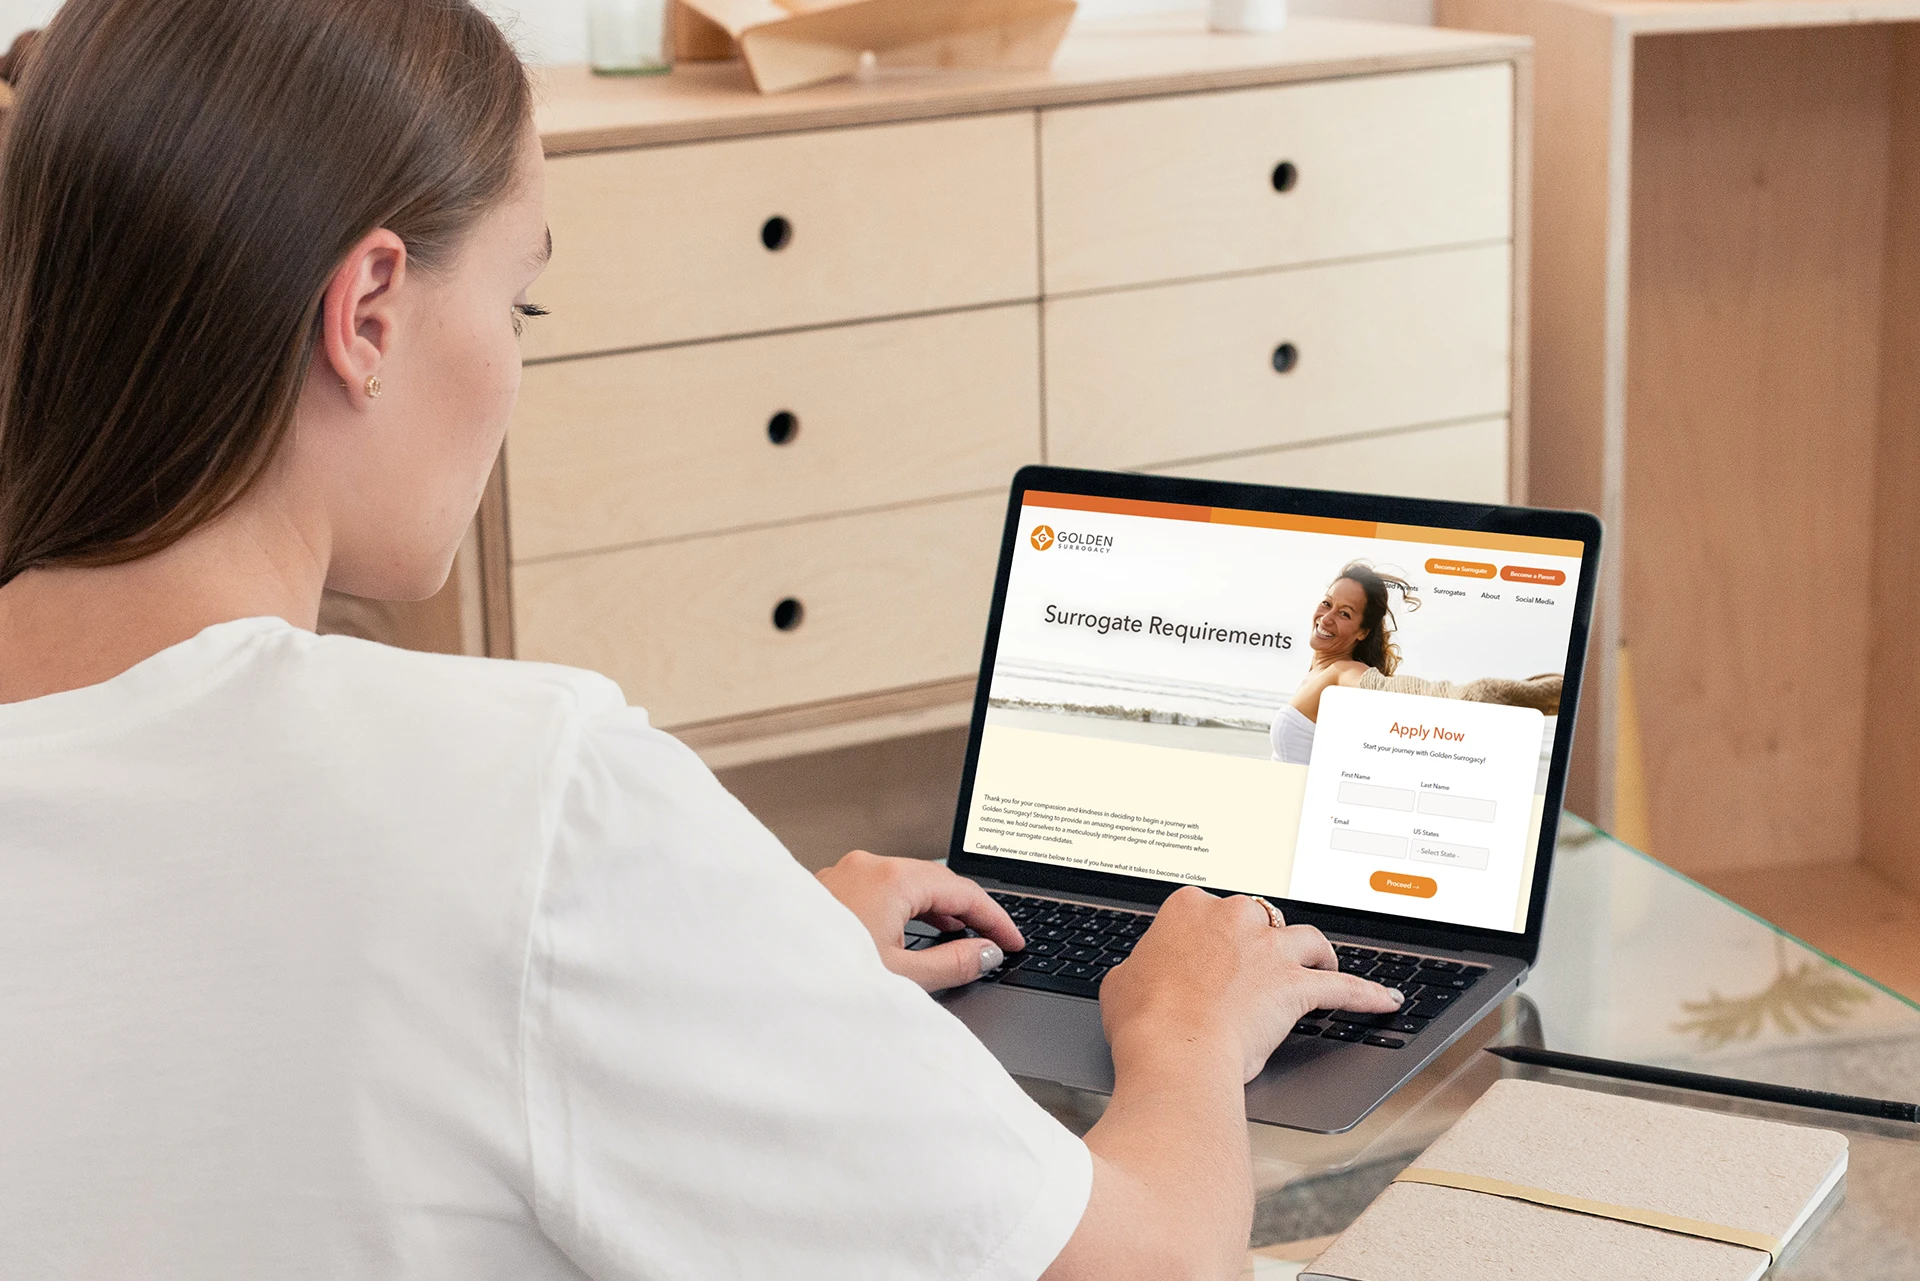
1460, 568
1401, 883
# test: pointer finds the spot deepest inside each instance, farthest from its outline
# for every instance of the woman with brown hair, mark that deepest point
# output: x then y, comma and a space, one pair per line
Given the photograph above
1352, 642
325, 959
1351, 635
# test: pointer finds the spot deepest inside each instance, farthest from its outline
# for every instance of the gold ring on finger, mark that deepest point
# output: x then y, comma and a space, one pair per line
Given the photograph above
1274, 918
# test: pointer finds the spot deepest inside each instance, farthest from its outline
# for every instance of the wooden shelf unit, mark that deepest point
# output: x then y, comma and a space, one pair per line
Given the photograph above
1726, 281
939, 276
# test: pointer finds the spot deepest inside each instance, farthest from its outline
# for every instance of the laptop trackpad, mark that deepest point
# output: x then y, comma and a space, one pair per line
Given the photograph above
1037, 1034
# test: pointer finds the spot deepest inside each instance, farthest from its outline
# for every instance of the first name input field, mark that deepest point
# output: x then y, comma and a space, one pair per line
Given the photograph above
1374, 796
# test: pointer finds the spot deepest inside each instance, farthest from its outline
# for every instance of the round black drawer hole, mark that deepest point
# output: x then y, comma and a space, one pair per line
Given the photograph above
788, 614
1285, 175
783, 427
776, 233
1285, 357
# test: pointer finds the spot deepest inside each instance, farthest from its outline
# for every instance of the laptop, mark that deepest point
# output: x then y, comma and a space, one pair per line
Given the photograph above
1149, 716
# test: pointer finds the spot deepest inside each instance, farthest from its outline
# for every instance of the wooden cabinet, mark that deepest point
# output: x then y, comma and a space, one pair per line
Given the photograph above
1211, 367
651, 445
706, 629
1726, 296
666, 244
1465, 462
799, 344
1162, 189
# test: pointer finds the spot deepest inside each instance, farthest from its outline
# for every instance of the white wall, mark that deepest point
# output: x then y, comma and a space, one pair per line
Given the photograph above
556, 30
17, 15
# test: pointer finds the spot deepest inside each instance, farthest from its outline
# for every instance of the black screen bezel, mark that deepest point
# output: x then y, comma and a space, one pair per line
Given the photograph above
1579, 527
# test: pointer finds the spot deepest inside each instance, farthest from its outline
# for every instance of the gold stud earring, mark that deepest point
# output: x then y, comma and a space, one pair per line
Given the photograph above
373, 387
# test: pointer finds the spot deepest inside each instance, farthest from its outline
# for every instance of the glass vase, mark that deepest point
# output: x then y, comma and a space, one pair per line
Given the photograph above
629, 37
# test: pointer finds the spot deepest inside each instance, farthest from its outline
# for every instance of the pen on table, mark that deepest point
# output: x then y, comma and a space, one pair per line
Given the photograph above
1885, 1109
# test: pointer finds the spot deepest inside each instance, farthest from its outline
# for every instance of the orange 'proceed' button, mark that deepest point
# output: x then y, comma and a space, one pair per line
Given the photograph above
1399, 883
1460, 568
1522, 574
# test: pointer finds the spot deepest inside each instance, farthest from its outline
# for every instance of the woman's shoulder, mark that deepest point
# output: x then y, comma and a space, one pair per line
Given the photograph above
413, 694
449, 724
435, 671
1339, 672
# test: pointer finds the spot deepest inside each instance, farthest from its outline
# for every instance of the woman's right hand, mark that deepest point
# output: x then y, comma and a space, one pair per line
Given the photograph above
1214, 967
1211, 988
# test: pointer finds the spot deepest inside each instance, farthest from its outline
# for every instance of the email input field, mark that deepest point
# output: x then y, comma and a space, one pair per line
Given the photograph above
1377, 797
1448, 805
1375, 843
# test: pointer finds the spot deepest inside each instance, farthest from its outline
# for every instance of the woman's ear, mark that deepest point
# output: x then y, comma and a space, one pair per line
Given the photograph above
359, 315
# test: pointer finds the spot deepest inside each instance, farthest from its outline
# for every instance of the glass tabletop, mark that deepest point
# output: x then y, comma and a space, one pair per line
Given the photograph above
1639, 963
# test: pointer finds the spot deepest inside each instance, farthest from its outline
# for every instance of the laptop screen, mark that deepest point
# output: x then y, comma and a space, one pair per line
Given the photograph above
1332, 711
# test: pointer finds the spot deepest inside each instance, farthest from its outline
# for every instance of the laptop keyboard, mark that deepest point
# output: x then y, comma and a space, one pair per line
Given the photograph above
1430, 984
1071, 946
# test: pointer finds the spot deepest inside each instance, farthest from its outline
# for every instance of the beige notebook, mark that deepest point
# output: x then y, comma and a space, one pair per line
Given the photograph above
1523, 1186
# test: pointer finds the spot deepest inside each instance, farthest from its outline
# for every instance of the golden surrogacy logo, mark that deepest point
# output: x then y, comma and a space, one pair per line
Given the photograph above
1046, 537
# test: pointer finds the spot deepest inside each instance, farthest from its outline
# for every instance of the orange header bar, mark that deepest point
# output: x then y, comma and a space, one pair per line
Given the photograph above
1189, 511
1304, 524
1566, 547
1117, 506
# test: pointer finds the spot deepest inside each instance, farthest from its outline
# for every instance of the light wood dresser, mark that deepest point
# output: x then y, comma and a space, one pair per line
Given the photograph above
799, 344
1726, 298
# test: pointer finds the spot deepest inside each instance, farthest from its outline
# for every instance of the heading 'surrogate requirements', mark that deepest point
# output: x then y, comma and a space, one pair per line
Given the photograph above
1154, 625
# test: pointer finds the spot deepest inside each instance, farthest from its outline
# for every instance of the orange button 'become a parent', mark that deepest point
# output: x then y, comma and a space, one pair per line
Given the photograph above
1401, 883
1460, 568
1524, 574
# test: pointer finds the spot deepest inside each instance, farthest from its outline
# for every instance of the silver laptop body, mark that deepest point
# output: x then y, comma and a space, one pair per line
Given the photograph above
1397, 856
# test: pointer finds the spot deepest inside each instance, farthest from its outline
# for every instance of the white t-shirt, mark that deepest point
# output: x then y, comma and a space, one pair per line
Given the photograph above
324, 959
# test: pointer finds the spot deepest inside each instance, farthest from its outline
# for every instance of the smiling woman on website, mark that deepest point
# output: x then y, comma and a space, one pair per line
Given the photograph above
1351, 640
324, 959
1351, 634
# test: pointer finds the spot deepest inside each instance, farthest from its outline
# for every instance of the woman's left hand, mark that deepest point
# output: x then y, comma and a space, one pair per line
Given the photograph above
886, 893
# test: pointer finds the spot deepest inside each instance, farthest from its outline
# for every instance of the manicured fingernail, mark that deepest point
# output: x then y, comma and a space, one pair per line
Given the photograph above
990, 958
1399, 998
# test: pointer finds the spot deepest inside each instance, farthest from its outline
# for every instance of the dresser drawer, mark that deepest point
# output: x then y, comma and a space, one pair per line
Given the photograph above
885, 600
1175, 372
1464, 462
674, 243
1168, 188
611, 450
